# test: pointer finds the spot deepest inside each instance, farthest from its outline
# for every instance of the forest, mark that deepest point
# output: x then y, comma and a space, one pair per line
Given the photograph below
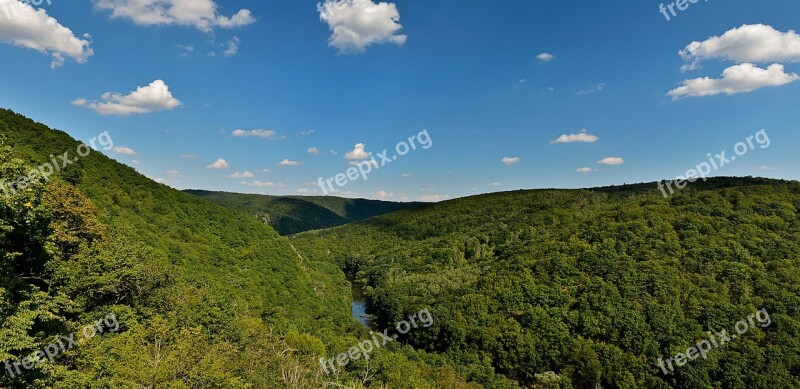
591, 288
536, 289
293, 214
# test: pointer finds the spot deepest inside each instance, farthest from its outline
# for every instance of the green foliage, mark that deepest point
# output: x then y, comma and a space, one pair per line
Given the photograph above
206, 297
589, 288
293, 214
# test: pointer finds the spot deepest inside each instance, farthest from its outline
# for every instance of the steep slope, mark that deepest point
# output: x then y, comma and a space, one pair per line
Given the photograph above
293, 214
204, 297
593, 288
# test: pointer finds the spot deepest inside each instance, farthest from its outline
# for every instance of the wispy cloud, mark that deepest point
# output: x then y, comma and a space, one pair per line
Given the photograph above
598, 88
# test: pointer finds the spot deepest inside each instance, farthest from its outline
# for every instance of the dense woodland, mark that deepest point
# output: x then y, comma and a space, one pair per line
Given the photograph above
293, 214
206, 297
537, 289
589, 288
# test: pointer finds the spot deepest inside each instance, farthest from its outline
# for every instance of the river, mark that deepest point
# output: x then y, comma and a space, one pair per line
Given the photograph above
358, 306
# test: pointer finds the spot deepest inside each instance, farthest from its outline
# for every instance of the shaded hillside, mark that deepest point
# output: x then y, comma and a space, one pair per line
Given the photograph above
592, 288
205, 297
293, 214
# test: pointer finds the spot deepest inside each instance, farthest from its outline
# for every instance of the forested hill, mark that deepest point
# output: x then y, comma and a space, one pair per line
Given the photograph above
293, 214
205, 297
592, 288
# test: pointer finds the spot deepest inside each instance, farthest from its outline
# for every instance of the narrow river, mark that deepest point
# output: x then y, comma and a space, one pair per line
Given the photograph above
358, 306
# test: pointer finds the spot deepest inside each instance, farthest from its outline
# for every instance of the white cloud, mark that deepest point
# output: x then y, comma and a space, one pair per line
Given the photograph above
406, 175
586, 170
382, 194
268, 134
233, 48
372, 162
200, 14
24, 26
357, 153
152, 98
287, 162
306, 133
741, 78
188, 156
766, 168
508, 161
218, 164
302, 190
135, 162
495, 184
244, 174
357, 24
519, 83
582, 137
433, 198
545, 57
333, 152
259, 184
598, 88
611, 161
314, 151
123, 150
757, 43
174, 174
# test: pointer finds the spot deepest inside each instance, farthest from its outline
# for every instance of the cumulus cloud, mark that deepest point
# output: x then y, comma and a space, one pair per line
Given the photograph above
545, 57
314, 151
268, 134
244, 174
123, 150
582, 137
382, 194
152, 98
218, 164
24, 26
741, 78
357, 153
357, 24
508, 161
755, 43
611, 161
200, 14
287, 162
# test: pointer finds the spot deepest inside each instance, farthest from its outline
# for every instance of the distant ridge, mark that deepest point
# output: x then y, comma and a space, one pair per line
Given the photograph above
294, 214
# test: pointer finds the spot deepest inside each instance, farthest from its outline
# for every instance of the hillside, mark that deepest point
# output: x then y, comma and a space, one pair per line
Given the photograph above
293, 214
205, 297
593, 288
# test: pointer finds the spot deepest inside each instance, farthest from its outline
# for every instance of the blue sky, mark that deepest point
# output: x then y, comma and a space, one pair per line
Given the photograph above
453, 68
